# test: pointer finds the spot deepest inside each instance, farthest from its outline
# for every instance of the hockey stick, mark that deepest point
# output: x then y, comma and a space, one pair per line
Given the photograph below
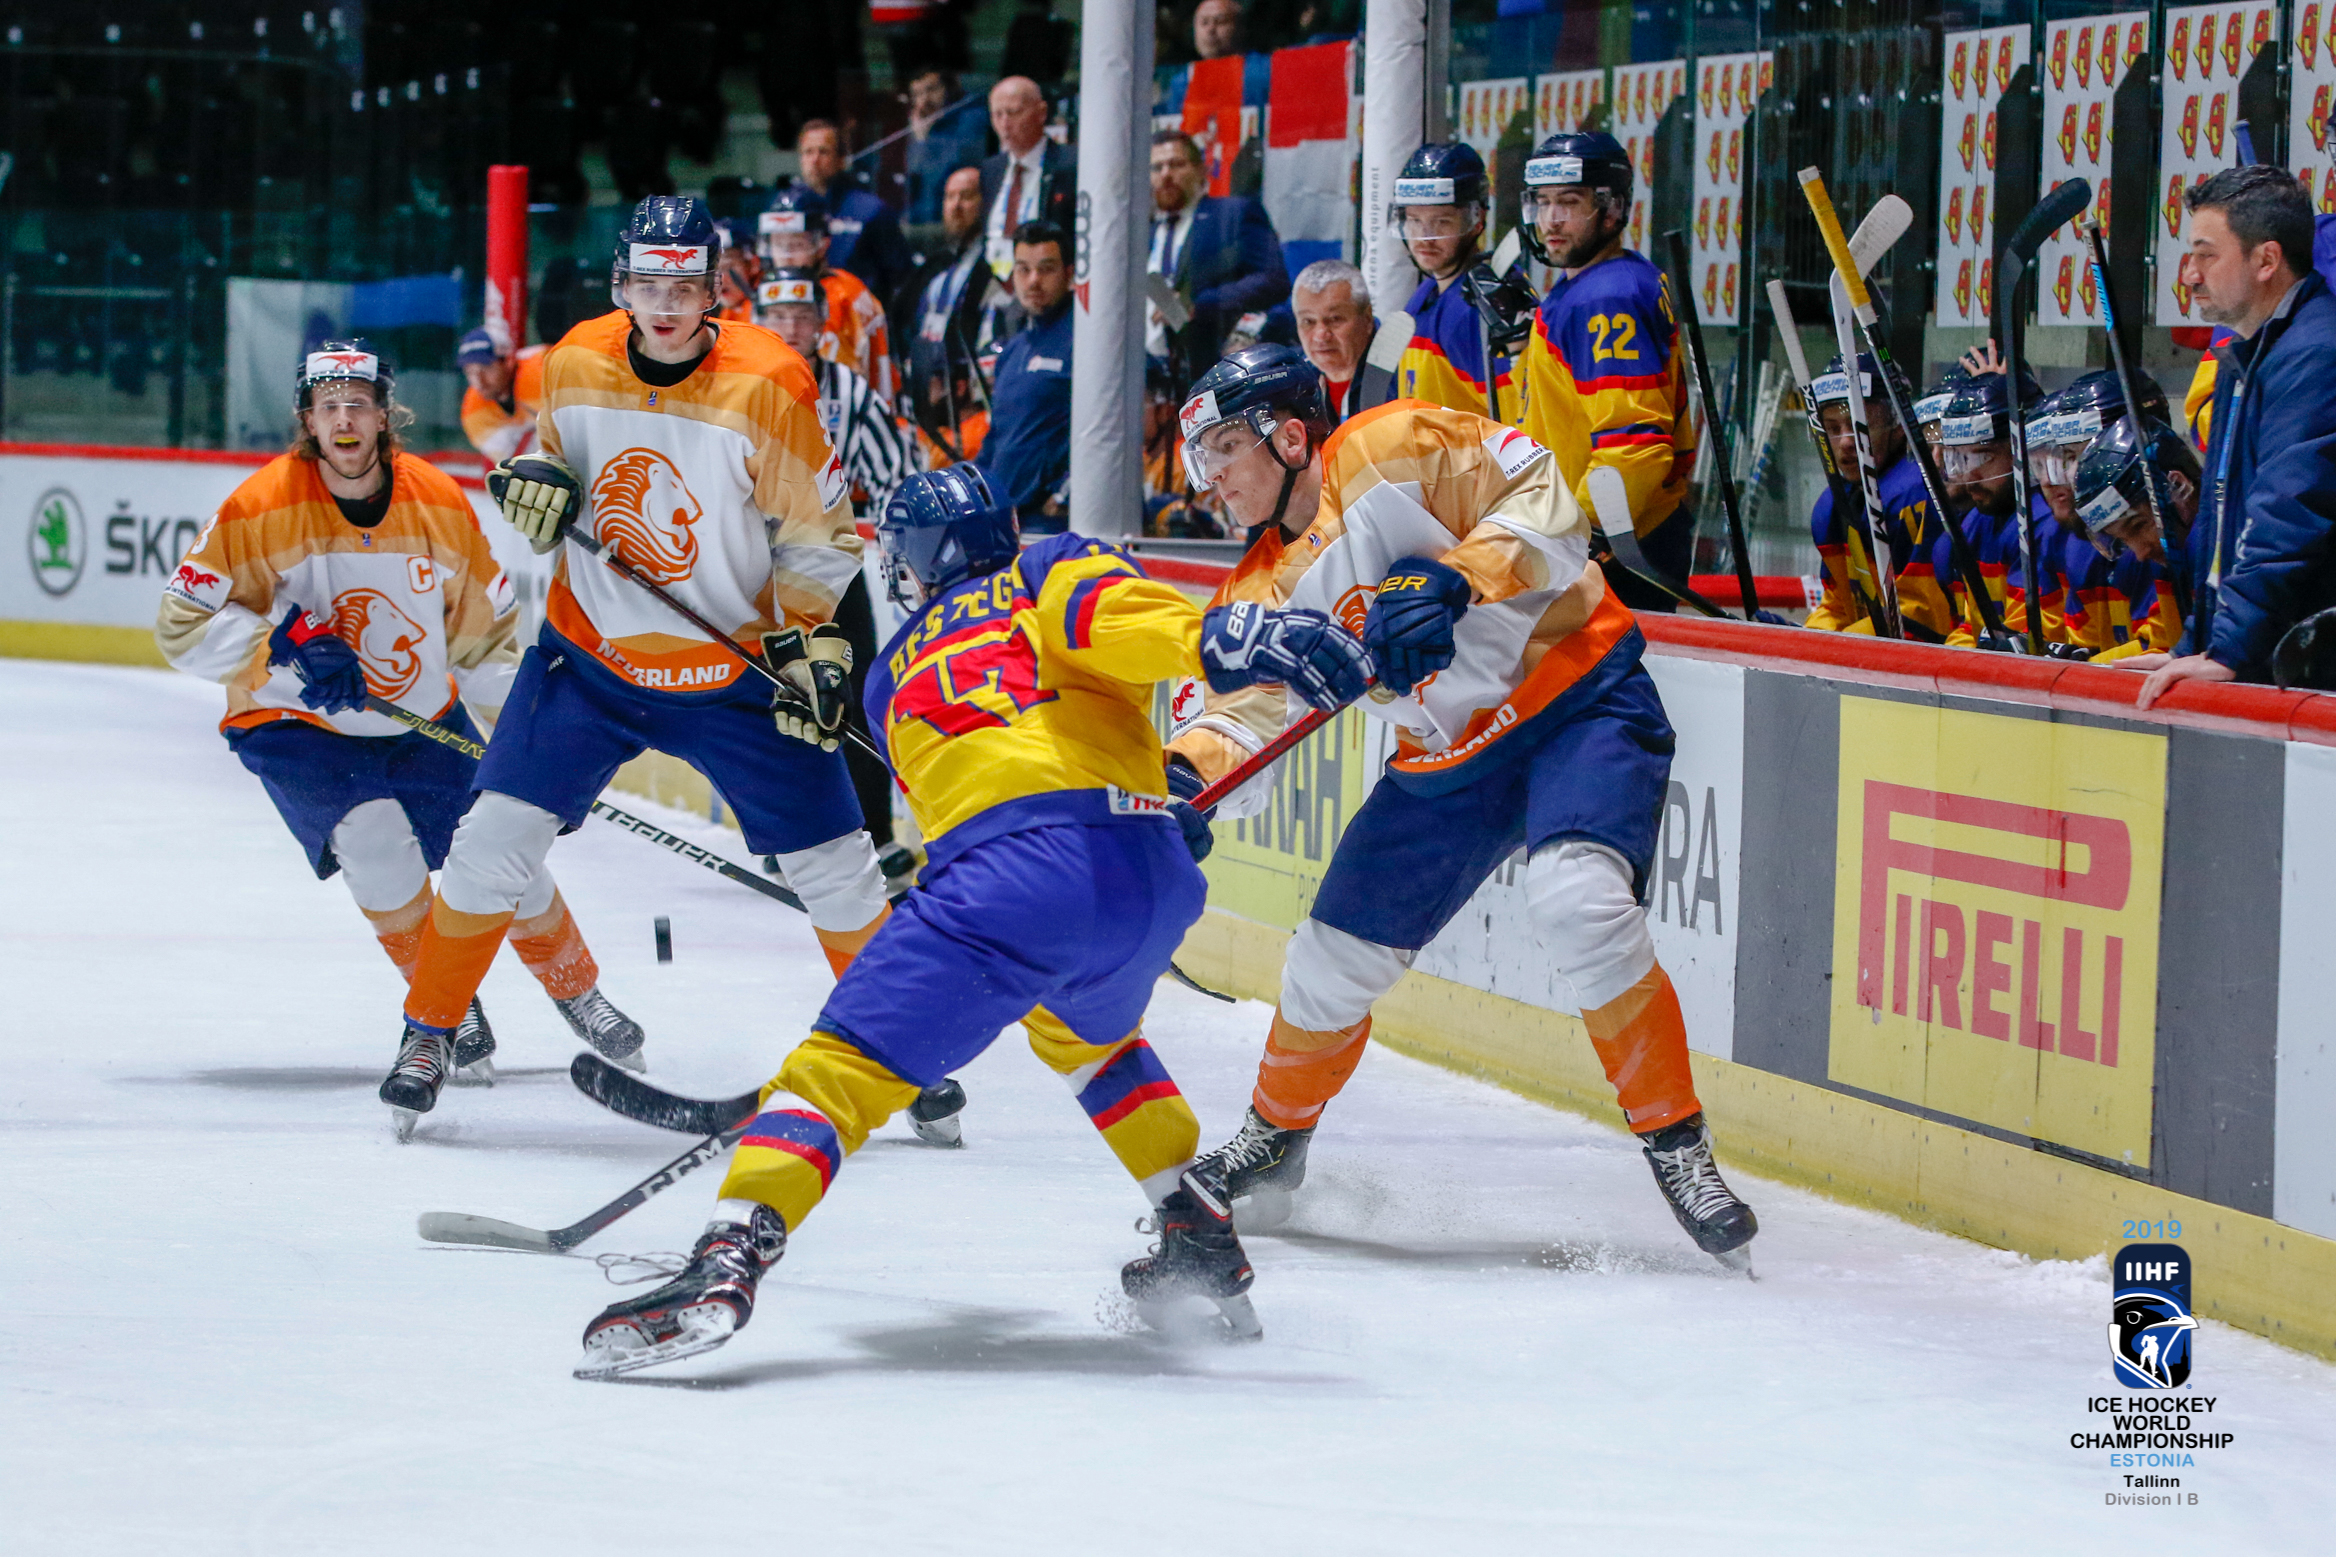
622, 1092
1610, 496
492, 1233
1723, 464
1863, 304
1264, 757
1790, 332
2011, 268
2090, 226
593, 545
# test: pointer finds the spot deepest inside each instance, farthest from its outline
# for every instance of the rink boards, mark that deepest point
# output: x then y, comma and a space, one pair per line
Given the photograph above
1939, 950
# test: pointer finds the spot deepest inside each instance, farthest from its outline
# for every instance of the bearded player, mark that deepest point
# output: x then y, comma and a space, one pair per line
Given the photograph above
349, 569
1016, 706
694, 452
1523, 718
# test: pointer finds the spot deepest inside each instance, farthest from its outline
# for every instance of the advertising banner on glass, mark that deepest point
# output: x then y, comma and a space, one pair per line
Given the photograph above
1977, 69
2207, 49
2084, 64
1726, 87
2311, 83
1486, 107
1564, 101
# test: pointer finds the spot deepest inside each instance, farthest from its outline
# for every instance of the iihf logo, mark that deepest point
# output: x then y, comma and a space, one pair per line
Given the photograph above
2150, 1324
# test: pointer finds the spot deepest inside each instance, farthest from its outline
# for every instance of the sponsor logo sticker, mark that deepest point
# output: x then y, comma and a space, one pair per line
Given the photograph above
57, 541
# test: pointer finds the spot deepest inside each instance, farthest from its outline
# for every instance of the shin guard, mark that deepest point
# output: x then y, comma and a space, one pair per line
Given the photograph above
452, 961
1641, 1039
554, 951
818, 1110
1129, 1097
1303, 1070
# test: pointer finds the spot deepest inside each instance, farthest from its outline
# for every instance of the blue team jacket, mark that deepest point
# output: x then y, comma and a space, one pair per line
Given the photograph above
2268, 513
1028, 451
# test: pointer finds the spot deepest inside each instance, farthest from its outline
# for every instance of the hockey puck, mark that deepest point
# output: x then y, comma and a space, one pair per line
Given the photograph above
664, 939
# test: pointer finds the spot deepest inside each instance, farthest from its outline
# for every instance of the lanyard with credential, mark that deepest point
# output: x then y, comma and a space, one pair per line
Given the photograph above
2228, 426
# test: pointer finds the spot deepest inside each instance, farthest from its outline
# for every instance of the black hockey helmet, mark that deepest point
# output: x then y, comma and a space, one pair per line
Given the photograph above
350, 361
668, 236
1440, 173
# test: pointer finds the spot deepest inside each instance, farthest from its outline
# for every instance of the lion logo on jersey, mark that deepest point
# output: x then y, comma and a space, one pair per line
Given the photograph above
644, 509
386, 639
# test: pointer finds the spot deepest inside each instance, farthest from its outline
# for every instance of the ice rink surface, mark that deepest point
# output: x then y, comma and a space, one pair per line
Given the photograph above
1483, 1331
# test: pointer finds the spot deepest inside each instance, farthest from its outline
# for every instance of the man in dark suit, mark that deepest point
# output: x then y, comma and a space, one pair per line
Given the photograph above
951, 314
1030, 179
1218, 251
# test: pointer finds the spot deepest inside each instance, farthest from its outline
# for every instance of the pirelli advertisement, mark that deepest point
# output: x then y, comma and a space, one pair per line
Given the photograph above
1950, 911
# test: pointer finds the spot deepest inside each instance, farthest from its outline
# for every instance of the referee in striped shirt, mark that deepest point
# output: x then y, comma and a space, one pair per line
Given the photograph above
876, 454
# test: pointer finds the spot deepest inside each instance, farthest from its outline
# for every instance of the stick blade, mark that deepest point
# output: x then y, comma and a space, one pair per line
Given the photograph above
2045, 218
621, 1092
1884, 225
484, 1232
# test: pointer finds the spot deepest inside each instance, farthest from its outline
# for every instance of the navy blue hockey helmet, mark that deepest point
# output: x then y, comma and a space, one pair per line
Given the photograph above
1440, 173
1980, 412
940, 528
798, 208
668, 236
1933, 403
2111, 482
1258, 385
351, 361
2096, 401
1588, 157
1831, 387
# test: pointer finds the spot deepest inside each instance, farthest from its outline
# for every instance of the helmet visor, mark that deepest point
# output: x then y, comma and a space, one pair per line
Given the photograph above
1208, 452
664, 294
1435, 221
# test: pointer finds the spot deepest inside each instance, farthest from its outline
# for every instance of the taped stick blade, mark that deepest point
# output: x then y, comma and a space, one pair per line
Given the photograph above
1610, 499
1884, 225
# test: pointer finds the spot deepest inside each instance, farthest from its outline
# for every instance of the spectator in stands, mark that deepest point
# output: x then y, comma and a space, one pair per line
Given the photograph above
1216, 28
1218, 251
941, 140
501, 393
863, 236
1031, 178
1027, 455
950, 310
1332, 302
2268, 519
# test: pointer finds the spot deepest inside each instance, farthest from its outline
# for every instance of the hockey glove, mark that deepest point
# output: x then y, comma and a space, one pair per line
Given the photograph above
332, 677
1246, 643
816, 677
539, 495
1184, 782
1409, 628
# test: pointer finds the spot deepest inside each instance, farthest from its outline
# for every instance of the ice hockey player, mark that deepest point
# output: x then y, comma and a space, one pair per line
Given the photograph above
1605, 381
693, 452
2100, 601
1016, 702
1441, 203
1523, 718
794, 237
502, 389
349, 568
1975, 459
2113, 504
1930, 604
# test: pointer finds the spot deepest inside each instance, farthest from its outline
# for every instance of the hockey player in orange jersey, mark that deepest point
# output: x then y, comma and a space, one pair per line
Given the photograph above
693, 451
344, 569
1523, 719
794, 237
502, 389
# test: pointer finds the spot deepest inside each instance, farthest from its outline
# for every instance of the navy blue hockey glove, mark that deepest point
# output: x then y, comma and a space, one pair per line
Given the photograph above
1409, 628
1245, 643
1772, 619
333, 677
1184, 783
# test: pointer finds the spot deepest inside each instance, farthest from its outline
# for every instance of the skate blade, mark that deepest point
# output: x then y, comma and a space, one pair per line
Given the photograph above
403, 1120
632, 1062
1739, 1260
703, 1328
1262, 1210
939, 1132
478, 1073
1234, 1321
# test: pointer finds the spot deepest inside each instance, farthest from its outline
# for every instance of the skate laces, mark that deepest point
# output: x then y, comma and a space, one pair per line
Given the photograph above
420, 1055
1694, 1179
632, 1270
1251, 1146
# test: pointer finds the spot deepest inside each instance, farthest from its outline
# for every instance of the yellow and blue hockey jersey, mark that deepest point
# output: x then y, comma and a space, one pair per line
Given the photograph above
1606, 384
1445, 362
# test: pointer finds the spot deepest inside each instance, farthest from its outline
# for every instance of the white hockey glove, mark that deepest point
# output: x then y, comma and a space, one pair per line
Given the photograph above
817, 682
539, 495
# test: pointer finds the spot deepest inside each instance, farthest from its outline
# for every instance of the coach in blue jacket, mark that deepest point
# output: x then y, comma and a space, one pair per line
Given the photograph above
1219, 251
1027, 453
2263, 549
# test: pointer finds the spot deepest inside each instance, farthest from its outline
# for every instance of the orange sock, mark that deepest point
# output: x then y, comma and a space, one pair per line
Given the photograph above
1641, 1039
400, 931
1303, 1070
842, 946
456, 951
554, 951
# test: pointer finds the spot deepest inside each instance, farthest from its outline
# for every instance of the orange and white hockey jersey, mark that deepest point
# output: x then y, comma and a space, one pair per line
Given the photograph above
1408, 479
722, 489
856, 334
418, 596
499, 434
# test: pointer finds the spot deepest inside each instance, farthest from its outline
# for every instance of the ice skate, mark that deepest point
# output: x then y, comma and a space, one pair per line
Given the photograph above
1199, 1254
934, 1115
1721, 1225
1262, 1166
612, 1034
709, 1302
411, 1088
474, 1048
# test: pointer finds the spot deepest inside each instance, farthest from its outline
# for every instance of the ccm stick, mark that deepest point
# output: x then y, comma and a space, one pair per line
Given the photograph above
2089, 225
2019, 250
1788, 330
1863, 305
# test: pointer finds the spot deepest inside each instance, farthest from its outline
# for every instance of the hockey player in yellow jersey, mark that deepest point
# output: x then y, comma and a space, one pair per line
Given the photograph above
694, 452
1466, 325
1523, 719
1605, 380
344, 570
1016, 705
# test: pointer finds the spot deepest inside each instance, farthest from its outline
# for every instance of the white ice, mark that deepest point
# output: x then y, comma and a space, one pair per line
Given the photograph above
1485, 1334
